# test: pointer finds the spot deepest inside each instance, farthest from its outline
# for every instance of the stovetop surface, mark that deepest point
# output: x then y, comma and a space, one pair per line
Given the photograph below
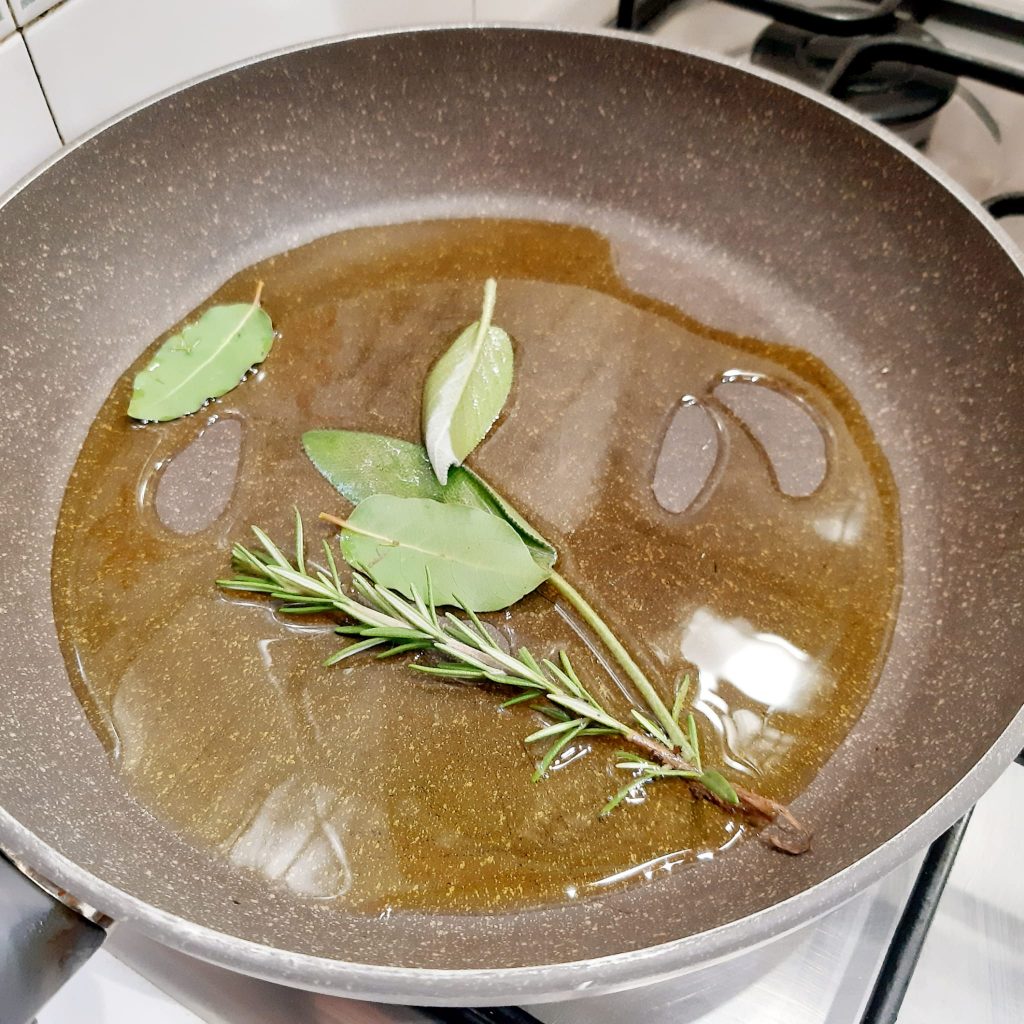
972, 964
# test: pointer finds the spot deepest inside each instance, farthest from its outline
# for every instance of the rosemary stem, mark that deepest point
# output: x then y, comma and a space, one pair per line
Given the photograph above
345, 524
659, 753
590, 616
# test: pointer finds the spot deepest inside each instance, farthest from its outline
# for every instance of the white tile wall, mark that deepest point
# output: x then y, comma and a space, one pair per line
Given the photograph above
6, 21
26, 10
97, 57
27, 135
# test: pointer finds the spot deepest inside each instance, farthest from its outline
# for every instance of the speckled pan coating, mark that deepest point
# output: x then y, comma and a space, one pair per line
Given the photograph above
791, 221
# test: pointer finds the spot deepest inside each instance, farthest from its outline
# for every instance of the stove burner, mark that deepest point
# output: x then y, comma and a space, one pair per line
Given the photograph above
903, 97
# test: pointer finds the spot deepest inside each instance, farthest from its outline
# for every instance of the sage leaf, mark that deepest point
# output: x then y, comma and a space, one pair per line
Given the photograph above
460, 555
466, 390
360, 465
205, 360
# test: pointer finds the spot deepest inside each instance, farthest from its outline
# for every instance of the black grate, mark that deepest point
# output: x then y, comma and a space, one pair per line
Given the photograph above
637, 15
908, 939
904, 950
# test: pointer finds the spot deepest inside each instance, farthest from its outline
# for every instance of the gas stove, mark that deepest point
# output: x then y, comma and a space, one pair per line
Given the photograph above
940, 939
951, 83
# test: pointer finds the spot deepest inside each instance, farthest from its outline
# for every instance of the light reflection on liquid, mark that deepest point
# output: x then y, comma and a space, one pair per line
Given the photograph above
572, 753
843, 529
295, 835
303, 850
770, 672
665, 864
766, 668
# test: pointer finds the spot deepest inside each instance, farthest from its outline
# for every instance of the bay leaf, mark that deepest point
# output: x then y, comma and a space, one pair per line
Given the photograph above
205, 360
464, 487
359, 465
468, 555
466, 390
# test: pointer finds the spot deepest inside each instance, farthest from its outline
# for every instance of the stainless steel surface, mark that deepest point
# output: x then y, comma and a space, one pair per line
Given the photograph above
972, 964
219, 996
42, 943
972, 967
818, 976
589, 975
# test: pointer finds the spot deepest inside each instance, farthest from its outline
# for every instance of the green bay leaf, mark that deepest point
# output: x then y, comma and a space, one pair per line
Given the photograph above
464, 487
469, 556
205, 360
466, 390
359, 465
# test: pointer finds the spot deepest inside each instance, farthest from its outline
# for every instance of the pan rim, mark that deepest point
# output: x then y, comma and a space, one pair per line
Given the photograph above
545, 982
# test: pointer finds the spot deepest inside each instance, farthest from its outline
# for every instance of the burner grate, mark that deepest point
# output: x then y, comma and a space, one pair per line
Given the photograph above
843, 51
638, 15
892, 88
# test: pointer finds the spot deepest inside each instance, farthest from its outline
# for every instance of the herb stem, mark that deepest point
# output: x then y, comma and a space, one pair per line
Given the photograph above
589, 614
344, 524
490, 296
659, 752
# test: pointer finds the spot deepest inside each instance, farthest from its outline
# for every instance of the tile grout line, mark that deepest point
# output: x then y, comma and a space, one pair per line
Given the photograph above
39, 79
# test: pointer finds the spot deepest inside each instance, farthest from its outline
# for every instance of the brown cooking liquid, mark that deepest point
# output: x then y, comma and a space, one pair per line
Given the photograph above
745, 532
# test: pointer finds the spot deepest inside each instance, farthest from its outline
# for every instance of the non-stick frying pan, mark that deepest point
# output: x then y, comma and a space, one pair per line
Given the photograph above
753, 206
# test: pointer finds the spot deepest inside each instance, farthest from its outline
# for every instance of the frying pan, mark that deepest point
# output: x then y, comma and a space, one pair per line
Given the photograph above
752, 205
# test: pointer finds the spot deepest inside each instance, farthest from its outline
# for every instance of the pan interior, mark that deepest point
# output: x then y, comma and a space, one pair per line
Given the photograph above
721, 499
750, 207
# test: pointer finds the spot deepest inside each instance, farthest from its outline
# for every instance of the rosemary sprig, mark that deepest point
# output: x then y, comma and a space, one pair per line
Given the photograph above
383, 618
